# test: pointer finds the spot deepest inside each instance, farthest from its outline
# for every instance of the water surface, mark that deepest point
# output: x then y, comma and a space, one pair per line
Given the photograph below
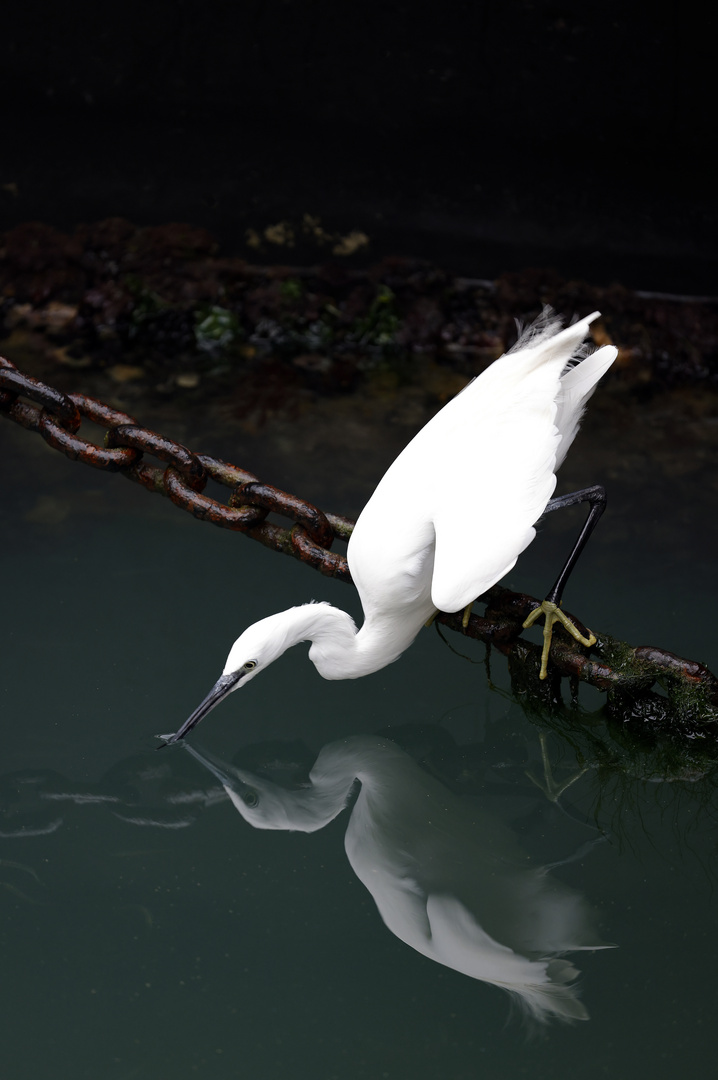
149, 930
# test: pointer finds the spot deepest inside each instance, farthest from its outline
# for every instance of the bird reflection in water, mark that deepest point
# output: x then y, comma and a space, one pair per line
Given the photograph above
449, 878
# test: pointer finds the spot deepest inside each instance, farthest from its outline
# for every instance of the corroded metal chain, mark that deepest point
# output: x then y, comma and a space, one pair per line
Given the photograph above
626, 673
58, 417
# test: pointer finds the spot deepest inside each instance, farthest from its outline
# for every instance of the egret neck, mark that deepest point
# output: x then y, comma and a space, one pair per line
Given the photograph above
338, 650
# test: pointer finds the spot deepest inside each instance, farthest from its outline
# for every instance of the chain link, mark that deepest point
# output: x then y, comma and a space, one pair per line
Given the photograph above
692, 690
57, 417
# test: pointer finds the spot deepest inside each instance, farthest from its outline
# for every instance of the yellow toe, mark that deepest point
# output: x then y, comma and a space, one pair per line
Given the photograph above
553, 614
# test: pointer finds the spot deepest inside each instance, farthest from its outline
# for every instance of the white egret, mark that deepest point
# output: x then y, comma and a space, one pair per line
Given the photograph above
447, 876
450, 516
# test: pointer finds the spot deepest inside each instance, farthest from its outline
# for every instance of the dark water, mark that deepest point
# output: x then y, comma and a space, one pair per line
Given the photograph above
147, 930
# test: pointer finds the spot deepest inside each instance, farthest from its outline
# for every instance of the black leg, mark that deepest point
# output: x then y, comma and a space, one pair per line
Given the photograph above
596, 497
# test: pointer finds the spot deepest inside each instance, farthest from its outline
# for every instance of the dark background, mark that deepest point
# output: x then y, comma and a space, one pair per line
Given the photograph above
486, 136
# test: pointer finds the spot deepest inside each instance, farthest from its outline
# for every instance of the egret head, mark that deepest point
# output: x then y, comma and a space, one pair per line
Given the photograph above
252, 652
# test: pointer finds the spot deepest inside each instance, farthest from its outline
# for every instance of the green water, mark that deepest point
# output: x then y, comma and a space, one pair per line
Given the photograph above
148, 931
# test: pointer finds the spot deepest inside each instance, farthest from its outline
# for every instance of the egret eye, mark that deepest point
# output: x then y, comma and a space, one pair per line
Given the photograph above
250, 798
250, 664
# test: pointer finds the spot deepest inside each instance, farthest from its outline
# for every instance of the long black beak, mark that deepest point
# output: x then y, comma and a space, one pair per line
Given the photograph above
224, 685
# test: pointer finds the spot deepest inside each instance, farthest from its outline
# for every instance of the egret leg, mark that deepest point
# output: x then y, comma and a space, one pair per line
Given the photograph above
551, 606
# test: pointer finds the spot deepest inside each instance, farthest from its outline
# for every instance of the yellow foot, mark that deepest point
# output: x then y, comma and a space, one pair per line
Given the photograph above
554, 614
467, 615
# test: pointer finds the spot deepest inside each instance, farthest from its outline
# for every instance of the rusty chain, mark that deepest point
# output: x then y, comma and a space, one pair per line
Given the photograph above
58, 417
617, 668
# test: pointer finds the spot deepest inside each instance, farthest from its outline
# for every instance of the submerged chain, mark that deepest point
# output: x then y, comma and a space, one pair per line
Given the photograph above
627, 673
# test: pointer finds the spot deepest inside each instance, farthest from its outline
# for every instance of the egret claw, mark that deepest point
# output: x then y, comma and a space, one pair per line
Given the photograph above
554, 614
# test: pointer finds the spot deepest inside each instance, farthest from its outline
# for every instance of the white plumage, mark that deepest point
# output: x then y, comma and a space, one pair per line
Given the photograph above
469, 487
451, 515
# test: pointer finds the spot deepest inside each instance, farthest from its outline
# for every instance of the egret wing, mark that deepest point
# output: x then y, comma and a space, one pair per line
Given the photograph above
484, 520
